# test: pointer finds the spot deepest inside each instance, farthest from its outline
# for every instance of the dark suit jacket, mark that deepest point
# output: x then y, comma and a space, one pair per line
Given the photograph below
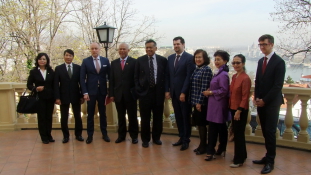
142, 77
178, 81
89, 77
268, 86
121, 82
67, 89
35, 79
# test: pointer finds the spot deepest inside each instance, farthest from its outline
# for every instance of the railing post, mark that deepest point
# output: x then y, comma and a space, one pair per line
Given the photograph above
258, 130
303, 121
8, 107
289, 120
167, 123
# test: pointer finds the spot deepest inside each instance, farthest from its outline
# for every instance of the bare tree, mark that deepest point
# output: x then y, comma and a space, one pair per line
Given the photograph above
295, 19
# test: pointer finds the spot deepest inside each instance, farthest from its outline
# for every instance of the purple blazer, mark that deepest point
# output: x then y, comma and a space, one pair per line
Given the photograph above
217, 110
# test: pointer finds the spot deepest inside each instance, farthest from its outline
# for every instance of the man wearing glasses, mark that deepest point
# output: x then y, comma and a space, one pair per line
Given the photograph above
268, 97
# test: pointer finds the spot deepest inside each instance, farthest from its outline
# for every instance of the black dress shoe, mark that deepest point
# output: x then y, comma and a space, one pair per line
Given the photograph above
65, 140
89, 140
262, 161
177, 143
145, 144
51, 139
106, 138
184, 146
267, 168
80, 138
157, 142
134, 141
200, 152
45, 142
119, 140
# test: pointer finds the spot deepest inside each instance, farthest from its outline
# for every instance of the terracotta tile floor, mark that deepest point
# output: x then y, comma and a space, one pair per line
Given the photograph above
21, 152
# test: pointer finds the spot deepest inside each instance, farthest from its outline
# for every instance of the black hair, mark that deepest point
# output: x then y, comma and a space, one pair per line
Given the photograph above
47, 66
151, 41
225, 56
206, 58
267, 36
179, 38
69, 51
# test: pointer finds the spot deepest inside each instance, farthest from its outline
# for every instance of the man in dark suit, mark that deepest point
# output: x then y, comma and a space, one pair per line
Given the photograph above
93, 79
121, 85
179, 70
268, 97
67, 90
149, 85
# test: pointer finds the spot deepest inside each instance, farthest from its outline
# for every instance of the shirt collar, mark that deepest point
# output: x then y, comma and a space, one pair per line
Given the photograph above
69, 64
97, 57
180, 54
153, 56
270, 55
124, 58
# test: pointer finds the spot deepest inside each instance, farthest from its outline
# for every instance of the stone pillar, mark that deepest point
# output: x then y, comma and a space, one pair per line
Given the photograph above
248, 128
303, 121
258, 131
289, 120
55, 115
84, 113
112, 117
167, 123
7, 107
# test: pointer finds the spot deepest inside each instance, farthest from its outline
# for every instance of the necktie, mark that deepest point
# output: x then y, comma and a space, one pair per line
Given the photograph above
122, 63
264, 65
97, 65
151, 79
176, 61
69, 71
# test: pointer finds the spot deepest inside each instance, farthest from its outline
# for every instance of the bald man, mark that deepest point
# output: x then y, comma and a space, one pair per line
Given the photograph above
121, 86
93, 80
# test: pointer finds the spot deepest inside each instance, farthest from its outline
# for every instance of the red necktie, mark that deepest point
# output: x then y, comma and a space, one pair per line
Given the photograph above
122, 63
264, 65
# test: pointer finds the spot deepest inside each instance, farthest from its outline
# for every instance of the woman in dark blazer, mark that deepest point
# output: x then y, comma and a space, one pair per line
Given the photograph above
200, 81
41, 79
239, 103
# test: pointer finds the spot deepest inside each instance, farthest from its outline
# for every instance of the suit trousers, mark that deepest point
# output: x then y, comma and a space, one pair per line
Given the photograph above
269, 117
148, 104
216, 130
131, 108
182, 112
64, 110
102, 113
44, 115
240, 153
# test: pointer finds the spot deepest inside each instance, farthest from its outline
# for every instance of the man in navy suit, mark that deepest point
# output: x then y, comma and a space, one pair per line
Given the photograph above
149, 85
268, 97
93, 79
121, 86
67, 90
179, 70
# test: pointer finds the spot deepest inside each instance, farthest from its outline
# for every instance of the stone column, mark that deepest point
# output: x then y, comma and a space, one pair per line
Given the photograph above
167, 123
303, 121
7, 107
289, 120
258, 131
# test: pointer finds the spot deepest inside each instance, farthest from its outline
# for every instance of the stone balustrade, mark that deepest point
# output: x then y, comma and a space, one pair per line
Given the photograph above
11, 120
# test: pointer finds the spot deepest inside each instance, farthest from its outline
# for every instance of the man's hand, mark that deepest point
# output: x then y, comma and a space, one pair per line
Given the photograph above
58, 102
40, 88
81, 100
182, 97
237, 115
86, 97
167, 95
112, 99
260, 102
198, 107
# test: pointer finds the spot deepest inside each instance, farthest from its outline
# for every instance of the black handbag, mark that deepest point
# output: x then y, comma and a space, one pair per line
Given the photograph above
28, 103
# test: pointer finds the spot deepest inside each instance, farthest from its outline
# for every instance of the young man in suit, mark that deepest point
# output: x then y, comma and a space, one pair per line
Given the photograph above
149, 85
121, 85
179, 70
268, 97
67, 90
93, 79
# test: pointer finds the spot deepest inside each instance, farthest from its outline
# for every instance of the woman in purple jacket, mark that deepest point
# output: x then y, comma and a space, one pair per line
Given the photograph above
217, 110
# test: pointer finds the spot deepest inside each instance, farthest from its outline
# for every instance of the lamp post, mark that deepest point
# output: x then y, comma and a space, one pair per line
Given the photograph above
105, 35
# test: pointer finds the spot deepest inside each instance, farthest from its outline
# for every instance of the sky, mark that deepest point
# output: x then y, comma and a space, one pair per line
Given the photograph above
220, 23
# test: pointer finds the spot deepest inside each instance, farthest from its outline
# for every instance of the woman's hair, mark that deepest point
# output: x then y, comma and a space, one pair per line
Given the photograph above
225, 56
243, 59
47, 66
206, 58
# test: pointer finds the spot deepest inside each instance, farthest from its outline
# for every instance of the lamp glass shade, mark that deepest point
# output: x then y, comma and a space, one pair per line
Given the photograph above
110, 34
103, 35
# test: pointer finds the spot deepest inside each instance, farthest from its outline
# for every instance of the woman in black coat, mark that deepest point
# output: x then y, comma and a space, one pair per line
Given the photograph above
41, 79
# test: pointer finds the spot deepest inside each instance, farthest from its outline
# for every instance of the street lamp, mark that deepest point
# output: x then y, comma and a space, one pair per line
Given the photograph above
105, 35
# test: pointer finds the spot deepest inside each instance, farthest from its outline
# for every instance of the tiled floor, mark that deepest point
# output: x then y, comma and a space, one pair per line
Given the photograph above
21, 152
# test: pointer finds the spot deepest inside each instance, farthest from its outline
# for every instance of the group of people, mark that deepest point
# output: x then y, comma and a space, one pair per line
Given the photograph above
200, 96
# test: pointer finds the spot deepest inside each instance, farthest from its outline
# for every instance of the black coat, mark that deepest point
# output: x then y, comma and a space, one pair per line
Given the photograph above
35, 79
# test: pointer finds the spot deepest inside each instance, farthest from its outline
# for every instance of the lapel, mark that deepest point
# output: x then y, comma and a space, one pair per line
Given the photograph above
270, 65
146, 65
127, 64
40, 75
159, 68
91, 62
180, 62
65, 72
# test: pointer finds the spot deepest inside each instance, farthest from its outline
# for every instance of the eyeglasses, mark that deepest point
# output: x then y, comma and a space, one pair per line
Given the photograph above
233, 63
263, 45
